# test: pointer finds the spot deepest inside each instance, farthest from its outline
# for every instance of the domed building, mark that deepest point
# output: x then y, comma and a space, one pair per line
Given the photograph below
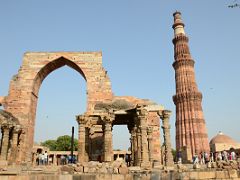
222, 142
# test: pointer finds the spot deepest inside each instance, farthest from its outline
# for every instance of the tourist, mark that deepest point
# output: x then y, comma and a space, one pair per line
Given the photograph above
233, 154
40, 159
206, 157
220, 156
63, 160
45, 158
37, 158
225, 155
211, 158
179, 157
195, 159
202, 158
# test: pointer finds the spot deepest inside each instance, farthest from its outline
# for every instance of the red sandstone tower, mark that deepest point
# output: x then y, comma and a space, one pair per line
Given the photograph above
190, 125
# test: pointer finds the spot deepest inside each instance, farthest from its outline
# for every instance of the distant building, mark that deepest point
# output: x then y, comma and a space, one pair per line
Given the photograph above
222, 142
54, 157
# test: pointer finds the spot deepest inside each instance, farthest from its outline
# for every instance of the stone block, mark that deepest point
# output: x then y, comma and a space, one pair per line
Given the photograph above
103, 170
115, 170
69, 169
222, 175
123, 170
103, 177
193, 175
207, 175
196, 166
78, 169
233, 173
118, 177
85, 169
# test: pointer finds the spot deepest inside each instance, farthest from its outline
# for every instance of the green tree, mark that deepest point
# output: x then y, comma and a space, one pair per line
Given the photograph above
63, 143
51, 144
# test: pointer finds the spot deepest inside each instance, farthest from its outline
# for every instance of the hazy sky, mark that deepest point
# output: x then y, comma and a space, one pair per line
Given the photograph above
135, 37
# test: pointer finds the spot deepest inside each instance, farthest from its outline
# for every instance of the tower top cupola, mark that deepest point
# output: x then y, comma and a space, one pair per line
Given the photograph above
178, 25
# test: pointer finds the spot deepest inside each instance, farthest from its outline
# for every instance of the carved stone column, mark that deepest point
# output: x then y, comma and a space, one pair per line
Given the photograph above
139, 145
150, 145
87, 147
81, 137
14, 149
142, 115
5, 142
135, 148
167, 141
108, 149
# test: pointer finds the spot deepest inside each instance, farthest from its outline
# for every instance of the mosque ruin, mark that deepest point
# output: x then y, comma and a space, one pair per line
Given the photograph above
104, 110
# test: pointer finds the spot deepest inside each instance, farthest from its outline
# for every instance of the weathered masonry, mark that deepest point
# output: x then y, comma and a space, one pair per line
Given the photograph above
104, 110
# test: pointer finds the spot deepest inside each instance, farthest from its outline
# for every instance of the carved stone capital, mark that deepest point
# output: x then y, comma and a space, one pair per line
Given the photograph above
6, 127
81, 119
17, 129
108, 118
141, 112
165, 114
150, 130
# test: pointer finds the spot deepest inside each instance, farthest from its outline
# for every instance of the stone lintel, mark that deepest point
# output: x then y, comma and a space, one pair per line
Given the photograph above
154, 108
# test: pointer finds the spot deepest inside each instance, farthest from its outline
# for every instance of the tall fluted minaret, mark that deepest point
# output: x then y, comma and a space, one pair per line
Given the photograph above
190, 124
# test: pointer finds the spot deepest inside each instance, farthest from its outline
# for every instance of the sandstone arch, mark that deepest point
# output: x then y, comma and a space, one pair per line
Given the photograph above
24, 87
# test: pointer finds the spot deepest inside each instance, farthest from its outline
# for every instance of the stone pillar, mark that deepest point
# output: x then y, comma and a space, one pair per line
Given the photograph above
54, 159
34, 157
5, 142
142, 115
81, 138
150, 145
87, 139
108, 150
14, 149
167, 141
139, 158
133, 146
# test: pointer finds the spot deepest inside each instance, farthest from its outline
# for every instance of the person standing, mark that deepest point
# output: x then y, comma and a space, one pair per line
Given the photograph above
45, 158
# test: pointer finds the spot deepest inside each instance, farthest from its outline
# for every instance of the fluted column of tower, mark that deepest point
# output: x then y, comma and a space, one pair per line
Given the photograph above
190, 124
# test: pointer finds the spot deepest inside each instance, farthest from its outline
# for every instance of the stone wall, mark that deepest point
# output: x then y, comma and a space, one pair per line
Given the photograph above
231, 174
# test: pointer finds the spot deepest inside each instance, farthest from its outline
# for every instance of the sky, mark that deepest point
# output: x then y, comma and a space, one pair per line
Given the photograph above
135, 37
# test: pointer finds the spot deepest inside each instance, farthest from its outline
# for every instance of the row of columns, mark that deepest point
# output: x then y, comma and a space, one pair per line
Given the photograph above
141, 139
10, 135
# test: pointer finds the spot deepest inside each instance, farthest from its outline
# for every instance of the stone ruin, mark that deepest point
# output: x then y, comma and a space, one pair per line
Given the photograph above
104, 110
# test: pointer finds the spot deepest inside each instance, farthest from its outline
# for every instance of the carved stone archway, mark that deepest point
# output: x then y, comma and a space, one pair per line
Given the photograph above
24, 87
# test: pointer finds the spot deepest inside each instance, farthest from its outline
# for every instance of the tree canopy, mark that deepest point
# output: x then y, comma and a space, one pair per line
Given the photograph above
63, 143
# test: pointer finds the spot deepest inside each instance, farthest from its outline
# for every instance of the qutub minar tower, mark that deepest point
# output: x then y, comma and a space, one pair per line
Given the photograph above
190, 125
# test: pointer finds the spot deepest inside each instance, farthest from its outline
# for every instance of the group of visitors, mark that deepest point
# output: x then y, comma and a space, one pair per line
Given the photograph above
67, 159
226, 156
204, 157
42, 158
